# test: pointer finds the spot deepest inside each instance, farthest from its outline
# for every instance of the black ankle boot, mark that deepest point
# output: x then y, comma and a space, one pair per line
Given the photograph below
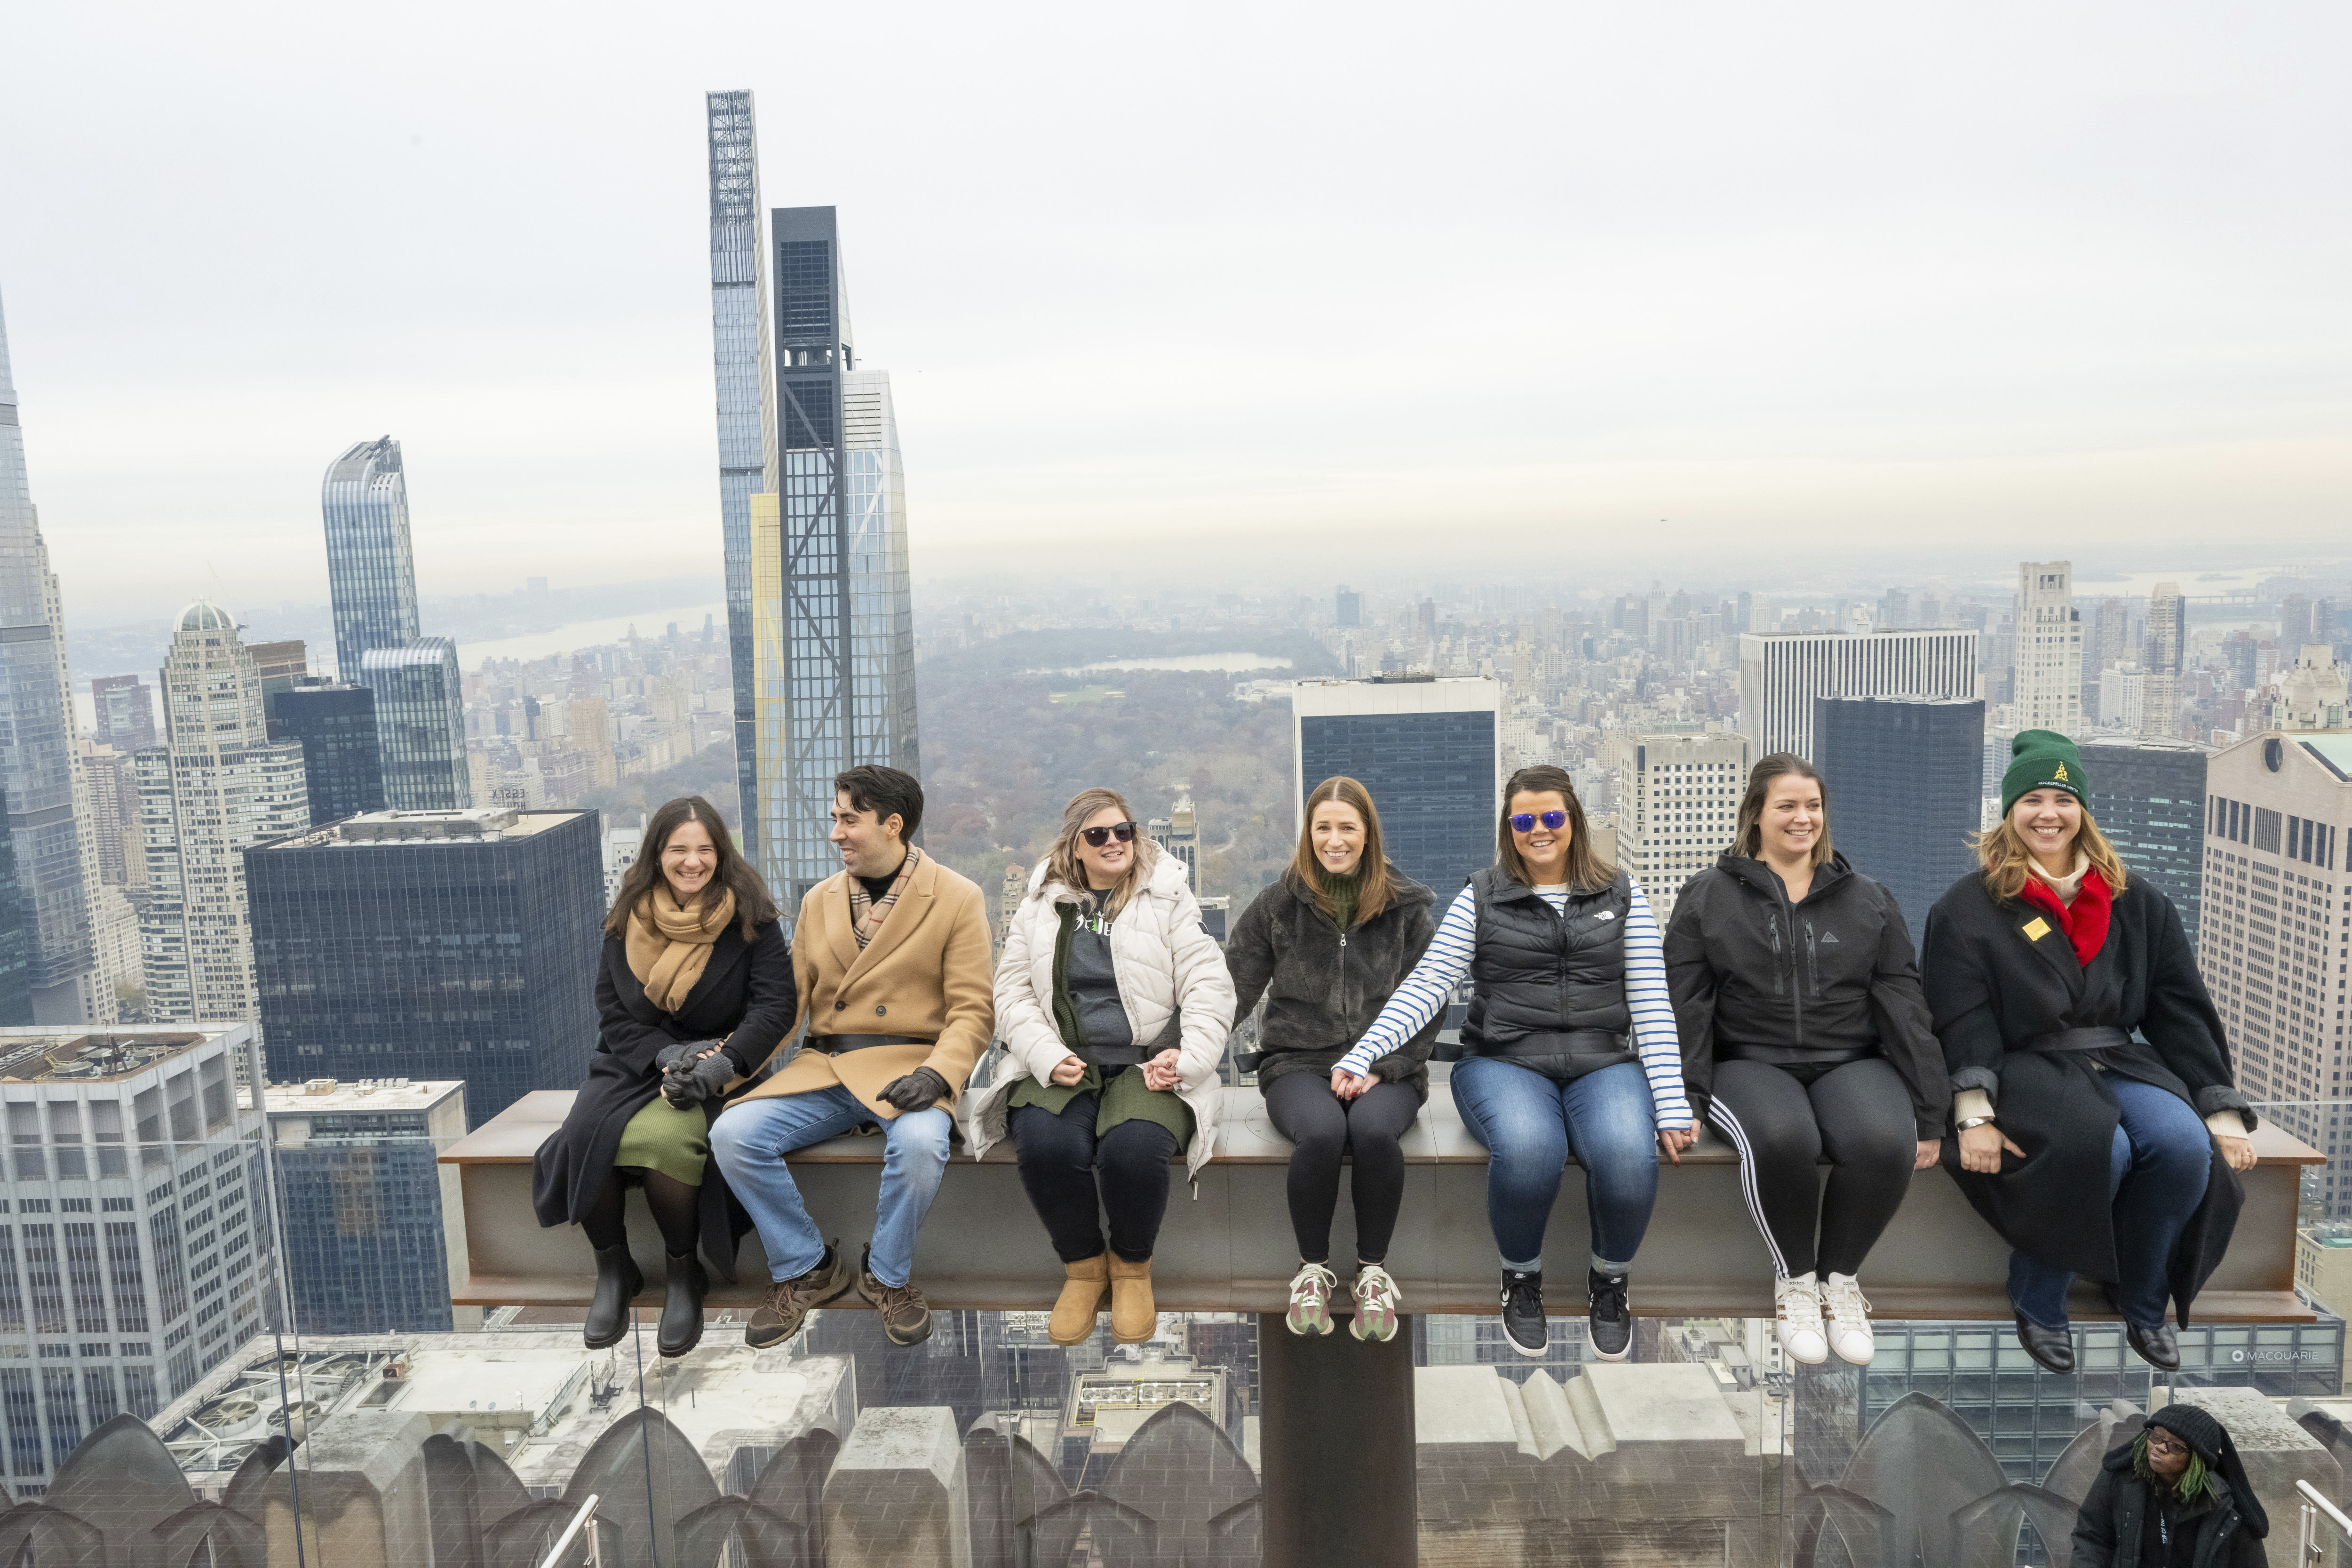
618, 1280
681, 1319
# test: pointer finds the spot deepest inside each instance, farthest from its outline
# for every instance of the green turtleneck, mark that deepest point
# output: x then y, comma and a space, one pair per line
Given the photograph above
1341, 892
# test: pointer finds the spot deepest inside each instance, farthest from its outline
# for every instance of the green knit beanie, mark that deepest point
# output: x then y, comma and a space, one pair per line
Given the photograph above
2044, 760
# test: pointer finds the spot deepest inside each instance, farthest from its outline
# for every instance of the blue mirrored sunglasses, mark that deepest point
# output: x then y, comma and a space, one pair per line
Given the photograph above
1526, 821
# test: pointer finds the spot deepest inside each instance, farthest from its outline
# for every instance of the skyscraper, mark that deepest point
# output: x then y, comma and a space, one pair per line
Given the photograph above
1179, 834
1677, 802
1780, 676
1430, 753
2049, 689
372, 578
2164, 659
1902, 778
2148, 799
36, 737
342, 758
1349, 609
15, 981
125, 712
833, 631
217, 784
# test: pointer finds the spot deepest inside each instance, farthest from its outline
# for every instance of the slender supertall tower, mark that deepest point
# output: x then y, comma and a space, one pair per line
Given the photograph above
747, 430
36, 739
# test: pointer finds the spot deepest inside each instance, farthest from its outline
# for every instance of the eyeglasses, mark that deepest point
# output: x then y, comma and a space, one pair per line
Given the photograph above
1096, 837
2164, 1443
1526, 821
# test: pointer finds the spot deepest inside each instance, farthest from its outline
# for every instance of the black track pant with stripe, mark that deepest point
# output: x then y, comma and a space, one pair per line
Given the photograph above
1859, 1115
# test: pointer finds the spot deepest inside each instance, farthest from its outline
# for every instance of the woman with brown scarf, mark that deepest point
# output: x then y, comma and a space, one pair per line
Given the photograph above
694, 991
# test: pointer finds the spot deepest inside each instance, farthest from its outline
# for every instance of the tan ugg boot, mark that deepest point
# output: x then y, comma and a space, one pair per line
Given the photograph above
1082, 1296
1134, 1317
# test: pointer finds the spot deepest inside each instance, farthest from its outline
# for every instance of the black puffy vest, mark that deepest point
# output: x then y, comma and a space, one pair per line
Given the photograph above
1547, 985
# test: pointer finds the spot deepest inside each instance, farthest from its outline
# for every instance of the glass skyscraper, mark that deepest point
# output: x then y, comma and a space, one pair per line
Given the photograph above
739, 328
420, 724
1903, 777
37, 737
1429, 753
334, 723
2149, 797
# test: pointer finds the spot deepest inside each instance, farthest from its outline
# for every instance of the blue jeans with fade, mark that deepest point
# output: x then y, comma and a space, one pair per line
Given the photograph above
749, 1141
1530, 1124
2156, 1170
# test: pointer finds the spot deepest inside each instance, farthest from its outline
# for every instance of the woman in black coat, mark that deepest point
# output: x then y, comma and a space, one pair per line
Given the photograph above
694, 990
2085, 1057
2174, 1497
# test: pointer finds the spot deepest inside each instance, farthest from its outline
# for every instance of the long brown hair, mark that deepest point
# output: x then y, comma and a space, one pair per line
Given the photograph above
1748, 838
753, 906
1374, 887
1586, 870
1063, 865
2005, 858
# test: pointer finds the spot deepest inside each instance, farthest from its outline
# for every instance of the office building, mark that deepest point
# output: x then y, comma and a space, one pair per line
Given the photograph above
834, 638
1179, 834
1678, 802
372, 577
2164, 658
1349, 607
2148, 799
1781, 675
590, 732
2123, 698
134, 1253
279, 665
2313, 695
334, 723
450, 945
2048, 688
37, 715
111, 819
2277, 886
124, 711
1903, 779
373, 1228
1429, 749
747, 427
16, 948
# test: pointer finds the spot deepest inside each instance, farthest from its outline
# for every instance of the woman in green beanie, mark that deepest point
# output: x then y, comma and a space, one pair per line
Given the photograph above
2084, 1056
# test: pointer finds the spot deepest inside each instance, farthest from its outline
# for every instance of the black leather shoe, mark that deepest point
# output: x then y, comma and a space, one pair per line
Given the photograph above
618, 1280
2155, 1346
681, 1319
2053, 1349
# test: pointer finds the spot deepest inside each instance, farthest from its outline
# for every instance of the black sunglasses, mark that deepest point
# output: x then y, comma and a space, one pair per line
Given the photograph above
1526, 821
2159, 1441
1096, 837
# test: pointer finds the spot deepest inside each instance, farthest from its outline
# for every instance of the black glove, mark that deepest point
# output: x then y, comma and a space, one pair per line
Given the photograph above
679, 1053
915, 1092
693, 1082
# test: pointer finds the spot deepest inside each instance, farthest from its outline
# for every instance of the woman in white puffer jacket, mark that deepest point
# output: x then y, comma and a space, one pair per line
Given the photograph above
1114, 1003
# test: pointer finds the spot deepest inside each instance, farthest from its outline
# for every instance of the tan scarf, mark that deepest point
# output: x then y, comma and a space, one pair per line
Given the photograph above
865, 922
667, 946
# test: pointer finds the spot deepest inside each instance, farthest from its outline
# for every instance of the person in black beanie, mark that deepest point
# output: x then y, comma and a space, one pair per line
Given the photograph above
2174, 1497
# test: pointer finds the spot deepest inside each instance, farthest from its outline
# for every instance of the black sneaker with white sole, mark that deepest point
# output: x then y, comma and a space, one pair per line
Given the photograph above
1609, 1321
1523, 1312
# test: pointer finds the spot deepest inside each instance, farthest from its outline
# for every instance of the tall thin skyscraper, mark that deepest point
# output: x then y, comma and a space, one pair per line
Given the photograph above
2164, 659
2049, 692
36, 737
747, 431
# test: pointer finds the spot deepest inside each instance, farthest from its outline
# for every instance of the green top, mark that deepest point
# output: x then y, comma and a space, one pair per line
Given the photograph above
1342, 891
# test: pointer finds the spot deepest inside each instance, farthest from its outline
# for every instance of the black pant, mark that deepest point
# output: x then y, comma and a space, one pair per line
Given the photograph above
1061, 1160
1859, 1115
1321, 1127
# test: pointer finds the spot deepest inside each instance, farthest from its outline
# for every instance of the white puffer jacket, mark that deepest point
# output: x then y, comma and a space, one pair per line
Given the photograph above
1168, 968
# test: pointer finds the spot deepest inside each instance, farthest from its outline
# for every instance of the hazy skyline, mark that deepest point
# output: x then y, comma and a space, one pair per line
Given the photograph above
1340, 289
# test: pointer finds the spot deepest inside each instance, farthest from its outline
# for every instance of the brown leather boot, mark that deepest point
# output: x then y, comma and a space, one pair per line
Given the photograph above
1085, 1293
1134, 1317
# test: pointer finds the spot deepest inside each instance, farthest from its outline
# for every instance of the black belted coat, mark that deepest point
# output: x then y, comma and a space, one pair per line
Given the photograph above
1994, 990
745, 997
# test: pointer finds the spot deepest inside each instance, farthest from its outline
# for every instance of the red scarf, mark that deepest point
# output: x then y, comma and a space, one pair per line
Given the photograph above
2086, 924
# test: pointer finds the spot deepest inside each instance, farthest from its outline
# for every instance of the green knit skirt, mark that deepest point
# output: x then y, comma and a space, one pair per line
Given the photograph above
663, 1138
1127, 1099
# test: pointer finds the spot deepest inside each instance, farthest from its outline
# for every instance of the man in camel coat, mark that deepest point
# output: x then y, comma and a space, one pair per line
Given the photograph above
891, 960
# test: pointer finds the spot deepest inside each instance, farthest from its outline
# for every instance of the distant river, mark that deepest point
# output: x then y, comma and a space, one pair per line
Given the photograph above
650, 623
1231, 663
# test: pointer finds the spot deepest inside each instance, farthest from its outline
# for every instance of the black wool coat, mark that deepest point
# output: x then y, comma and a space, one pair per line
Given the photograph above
2116, 1513
1993, 990
746, 997
1324, 987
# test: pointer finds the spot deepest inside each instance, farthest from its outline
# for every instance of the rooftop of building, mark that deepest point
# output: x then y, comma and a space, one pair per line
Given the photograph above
320, 1095
204, 616
76, 1056
474, 825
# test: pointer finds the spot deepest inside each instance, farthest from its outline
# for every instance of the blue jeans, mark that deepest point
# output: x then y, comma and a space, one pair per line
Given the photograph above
2156, 1170
1530, 1124
751, 1140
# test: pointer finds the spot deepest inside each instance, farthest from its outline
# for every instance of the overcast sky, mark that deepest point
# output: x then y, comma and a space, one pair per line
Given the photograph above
1338, 285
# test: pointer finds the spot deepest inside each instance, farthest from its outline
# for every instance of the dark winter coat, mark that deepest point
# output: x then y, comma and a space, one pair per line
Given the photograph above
745, 997
1994, 990
2107, 1532
1323, 986
1548, 989
1829, 979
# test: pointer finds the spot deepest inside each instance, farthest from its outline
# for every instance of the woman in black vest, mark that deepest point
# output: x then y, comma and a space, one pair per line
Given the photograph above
1568, 1048
1804, 1033
2085, 1058
694, 990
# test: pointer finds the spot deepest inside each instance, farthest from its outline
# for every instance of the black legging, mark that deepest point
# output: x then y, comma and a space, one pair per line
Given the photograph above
1061, 1159
1859, 1115
676, 1207
1321, 1127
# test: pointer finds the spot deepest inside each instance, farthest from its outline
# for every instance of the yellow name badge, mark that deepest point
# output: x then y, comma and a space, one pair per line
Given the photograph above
2036, 929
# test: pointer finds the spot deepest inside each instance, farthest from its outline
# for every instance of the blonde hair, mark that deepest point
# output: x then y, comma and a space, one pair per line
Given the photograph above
1062, 865
1748, 838
1373, 888
2005, 858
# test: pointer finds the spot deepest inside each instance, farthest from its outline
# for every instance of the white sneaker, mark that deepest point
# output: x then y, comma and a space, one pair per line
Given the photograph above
1849, 1315
1376, 1299
1310, 1301
1798, 1321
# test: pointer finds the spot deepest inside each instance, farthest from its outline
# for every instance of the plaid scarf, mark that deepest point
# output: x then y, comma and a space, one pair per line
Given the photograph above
867, 915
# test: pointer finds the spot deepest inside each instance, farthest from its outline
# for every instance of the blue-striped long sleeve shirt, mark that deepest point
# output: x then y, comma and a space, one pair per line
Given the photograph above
1417, 1000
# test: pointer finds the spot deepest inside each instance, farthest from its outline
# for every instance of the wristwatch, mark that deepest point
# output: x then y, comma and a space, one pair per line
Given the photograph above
1974, 1121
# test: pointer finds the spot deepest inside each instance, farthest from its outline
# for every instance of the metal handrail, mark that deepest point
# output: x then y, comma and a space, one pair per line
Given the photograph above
586, 1517
2310, 1550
